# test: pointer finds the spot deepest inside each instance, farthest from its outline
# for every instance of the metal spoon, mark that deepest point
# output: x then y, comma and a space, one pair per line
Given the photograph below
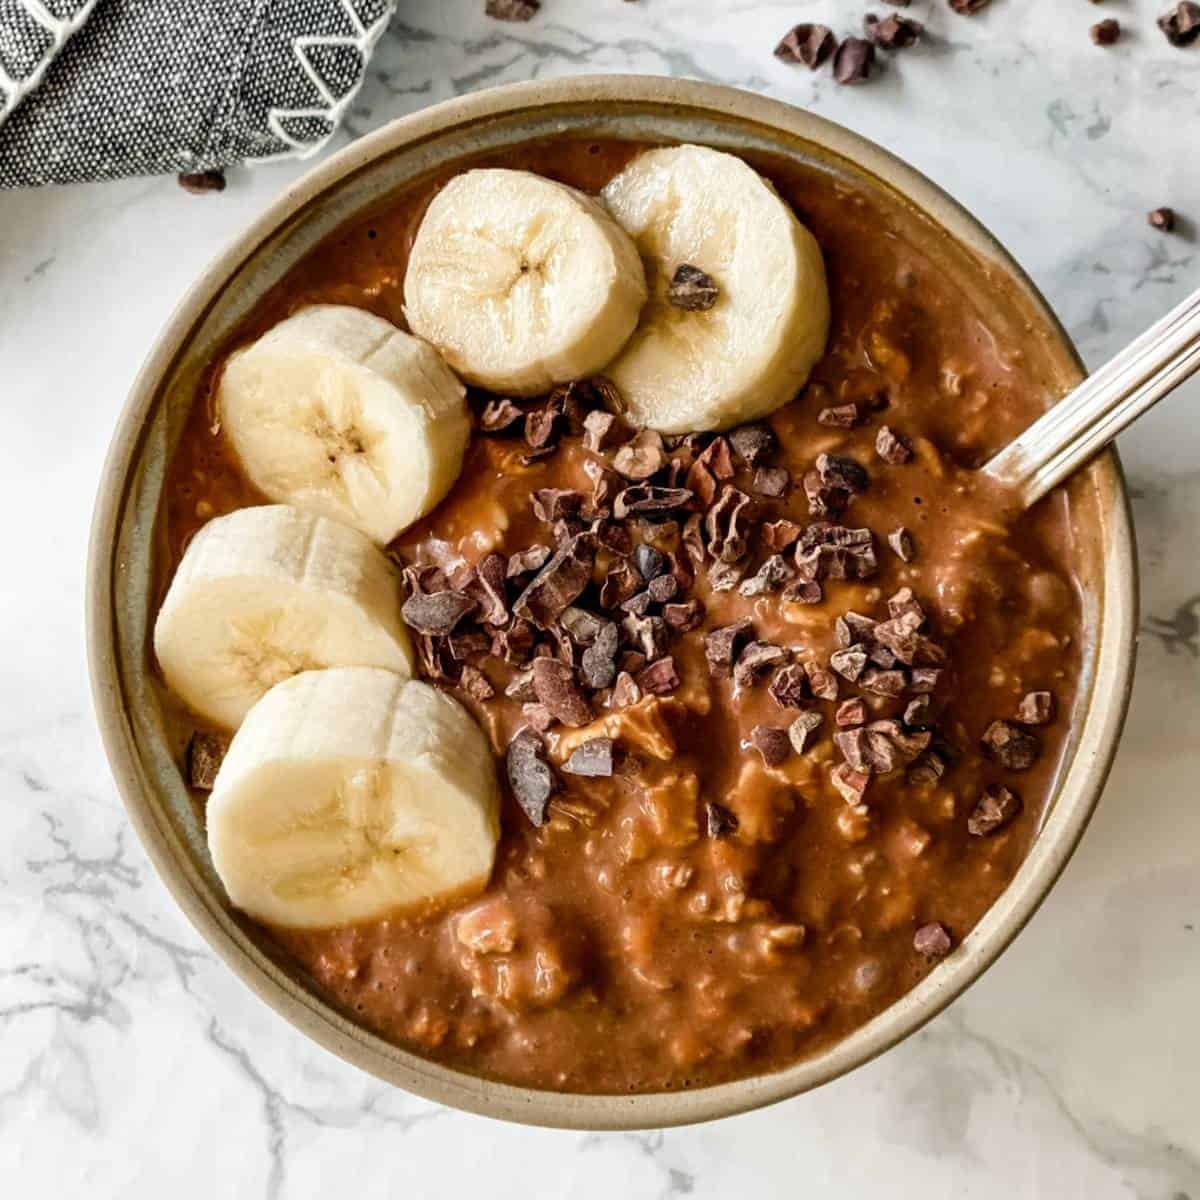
1084, 421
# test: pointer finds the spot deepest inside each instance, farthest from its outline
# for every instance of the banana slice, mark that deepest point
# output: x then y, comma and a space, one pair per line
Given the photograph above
683, 371
349, 794
337, 411
264, 593
521, 282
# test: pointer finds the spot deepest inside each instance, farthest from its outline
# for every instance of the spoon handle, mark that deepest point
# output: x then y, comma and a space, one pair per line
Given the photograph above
1087, 419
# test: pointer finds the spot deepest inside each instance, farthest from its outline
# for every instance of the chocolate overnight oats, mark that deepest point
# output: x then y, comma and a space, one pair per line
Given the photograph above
739, 694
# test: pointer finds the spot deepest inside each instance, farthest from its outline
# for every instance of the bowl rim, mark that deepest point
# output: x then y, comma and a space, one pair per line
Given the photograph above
1008, 914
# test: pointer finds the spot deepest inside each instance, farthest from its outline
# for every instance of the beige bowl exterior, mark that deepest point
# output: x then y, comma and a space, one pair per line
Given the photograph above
121, 593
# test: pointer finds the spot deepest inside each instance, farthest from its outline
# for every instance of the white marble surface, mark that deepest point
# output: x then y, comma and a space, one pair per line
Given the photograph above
132, 1061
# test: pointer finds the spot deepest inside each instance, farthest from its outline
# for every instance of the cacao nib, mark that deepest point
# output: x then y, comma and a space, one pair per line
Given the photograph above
203, 758
721, 646
558, 583
692, 289
659, 678
773, 744
592, 759
436, 613
555, 687
1011, 746
802, 731
530, 776
932, 940
997, 808
1036, 708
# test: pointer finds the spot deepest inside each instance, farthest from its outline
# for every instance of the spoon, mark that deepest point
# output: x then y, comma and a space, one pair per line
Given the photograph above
1084, 421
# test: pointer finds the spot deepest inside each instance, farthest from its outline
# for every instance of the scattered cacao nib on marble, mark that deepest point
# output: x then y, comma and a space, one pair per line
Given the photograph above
1181, 23
755, 659
200, 182
500, 415
752, 443
853, 60
997, 808
932, 940
773, 744
1106, 32
969, 8
558, 583
436, 613
1162, 218
721, 647
512, 10
719, 820
529, 775
850, 784
592, 759
555, 687
839, 416
850, 713
692, 289
1036, 708
476, 684
202, 759
806, 43
770, 577
1011, 746
771, 482
892, 447
660, 678
902, 544
892, 32
802, 731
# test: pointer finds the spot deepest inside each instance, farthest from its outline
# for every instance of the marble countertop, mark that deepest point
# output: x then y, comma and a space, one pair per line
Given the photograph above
132, 1061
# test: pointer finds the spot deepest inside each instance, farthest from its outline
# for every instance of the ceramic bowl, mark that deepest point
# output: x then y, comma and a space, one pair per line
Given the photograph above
122, 593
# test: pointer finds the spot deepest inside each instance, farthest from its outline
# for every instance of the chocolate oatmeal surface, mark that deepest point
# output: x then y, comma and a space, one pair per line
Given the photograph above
770, 708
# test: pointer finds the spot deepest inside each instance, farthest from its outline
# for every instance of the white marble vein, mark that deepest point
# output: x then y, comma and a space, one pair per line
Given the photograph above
132, 1061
